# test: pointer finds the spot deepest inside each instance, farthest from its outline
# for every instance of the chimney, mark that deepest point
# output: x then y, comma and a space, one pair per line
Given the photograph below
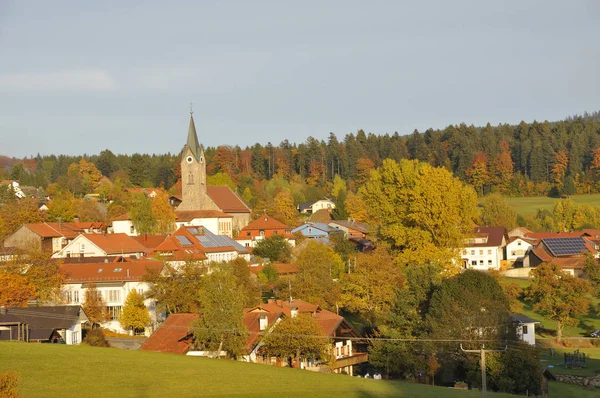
2, 310
263, 322
145, 237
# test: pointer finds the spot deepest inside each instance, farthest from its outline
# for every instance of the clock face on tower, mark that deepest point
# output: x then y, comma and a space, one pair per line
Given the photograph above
189, 159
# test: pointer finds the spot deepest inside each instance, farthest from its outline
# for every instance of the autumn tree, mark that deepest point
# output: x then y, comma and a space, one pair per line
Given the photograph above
356, 208
61, 208
478, 174
558, 295
496, 212
363, 170
15, 290
221, 326
17, 213
561, 162
163, 214
275, 248
176, 289
369, 287
246, 282
502, 168
422, 211
134, 314
141, 214
284, 209
563, 214
296, 338
95, 306
222, 179
318, 266
9, 381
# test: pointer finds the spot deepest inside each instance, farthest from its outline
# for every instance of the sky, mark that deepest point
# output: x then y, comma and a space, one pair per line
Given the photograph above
83, 76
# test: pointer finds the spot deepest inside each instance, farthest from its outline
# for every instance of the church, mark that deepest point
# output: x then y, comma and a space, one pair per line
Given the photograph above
196, 195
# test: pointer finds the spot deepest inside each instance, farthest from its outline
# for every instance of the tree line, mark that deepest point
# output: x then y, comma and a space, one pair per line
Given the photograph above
527, 159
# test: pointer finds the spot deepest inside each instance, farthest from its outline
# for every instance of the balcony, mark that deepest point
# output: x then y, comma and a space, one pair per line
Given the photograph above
358, 357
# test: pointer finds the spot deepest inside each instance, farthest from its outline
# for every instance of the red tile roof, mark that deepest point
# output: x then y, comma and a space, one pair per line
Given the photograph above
109, 271
543, 235
265, 222
252, 323
173, 336
226, 199
189, 215
150, 241
116, 243
494, 236
68, 230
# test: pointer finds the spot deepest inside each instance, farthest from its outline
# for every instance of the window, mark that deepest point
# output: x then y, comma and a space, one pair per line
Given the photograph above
131, 229
114, 312
480, 262
68, 296
524, 329
190, 179
262, 233
248, 233
489, 262
113, 296
474, 262
140, 292
76, 296
75, 337
82, 247
519, 243
490, 251
481, 252
472, 252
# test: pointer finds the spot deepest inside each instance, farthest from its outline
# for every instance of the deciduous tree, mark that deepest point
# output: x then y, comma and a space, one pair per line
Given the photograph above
496, 212
558, 295
296, 338
94, 305
422, 211
15, 290
134, 314
275, 248
369, 287
221, 326
163, 213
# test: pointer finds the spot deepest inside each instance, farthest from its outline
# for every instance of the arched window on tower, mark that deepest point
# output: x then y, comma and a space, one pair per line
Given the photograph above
190, 179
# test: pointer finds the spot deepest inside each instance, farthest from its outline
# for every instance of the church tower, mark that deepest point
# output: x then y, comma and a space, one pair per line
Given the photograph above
193, 173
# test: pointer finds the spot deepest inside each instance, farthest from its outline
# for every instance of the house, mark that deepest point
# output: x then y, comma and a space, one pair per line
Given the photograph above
50, 236
313, 207
123, 225
319, 231
485, 249
524, 328
568, 252
351, 228
332, 325
113, 280
517, 250
215, 221
197, 195
60, 324
264, 227
198, 244
16, 188
99, 245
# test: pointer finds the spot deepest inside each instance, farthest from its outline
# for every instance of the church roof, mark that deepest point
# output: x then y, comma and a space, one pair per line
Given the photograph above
192, 140
226, 199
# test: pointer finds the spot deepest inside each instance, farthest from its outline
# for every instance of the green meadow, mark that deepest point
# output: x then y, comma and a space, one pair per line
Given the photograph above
529, 206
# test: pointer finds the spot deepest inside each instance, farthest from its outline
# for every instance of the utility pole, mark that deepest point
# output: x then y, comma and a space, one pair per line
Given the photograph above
482, 353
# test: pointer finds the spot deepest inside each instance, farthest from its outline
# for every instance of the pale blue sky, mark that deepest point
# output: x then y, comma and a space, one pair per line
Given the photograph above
82, 76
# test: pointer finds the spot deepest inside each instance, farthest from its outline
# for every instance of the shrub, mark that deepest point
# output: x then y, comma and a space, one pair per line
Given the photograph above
95, 338
8, 385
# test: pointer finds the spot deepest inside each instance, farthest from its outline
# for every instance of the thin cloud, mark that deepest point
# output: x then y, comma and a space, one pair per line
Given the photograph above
64, 80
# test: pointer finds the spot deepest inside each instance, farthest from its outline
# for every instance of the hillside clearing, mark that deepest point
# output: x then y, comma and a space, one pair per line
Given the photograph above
529, 206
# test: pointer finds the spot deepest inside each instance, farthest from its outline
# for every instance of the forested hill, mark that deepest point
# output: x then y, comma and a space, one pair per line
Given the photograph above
524, 159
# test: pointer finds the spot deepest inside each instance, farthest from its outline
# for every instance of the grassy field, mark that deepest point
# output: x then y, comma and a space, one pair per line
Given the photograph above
48, 370
529, 206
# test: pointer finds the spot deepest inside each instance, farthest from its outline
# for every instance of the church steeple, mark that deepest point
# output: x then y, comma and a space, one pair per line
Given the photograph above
192, 139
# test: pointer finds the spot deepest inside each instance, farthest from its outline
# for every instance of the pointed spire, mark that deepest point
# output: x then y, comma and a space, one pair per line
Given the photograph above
192, 138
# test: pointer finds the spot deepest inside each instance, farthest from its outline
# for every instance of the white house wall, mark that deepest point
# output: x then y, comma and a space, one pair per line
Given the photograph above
124, 227
483, 258
517, 250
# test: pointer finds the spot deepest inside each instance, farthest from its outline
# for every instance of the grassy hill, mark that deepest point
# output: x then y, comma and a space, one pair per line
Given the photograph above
48, 370
529, 206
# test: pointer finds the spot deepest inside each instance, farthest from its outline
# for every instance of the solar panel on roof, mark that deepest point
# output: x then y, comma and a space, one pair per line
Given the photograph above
184, 241
565, 246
